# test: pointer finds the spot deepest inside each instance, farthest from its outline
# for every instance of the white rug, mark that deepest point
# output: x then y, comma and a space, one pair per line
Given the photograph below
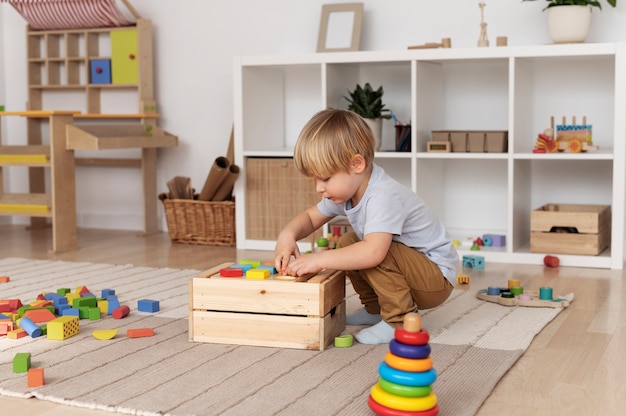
474, 343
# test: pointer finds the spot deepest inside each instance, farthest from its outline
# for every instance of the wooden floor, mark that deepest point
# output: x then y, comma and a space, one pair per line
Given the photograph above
575, 366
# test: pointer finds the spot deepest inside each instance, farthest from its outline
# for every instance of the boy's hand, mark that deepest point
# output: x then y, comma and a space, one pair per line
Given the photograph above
302, 265
285, 248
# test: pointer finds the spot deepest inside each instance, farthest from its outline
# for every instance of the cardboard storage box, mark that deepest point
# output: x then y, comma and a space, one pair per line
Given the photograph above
476, 141
496, 141
302, 313
570, 229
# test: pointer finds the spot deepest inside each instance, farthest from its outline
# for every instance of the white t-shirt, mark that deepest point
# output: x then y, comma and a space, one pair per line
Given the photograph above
389, 207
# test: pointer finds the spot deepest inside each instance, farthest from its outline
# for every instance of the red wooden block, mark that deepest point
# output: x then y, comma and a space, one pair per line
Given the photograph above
231, 272
139, 332
35, 377
4, 279
121, 312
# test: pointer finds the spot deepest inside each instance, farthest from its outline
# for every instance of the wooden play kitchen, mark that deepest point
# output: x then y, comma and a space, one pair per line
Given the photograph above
301, 313
94, 64
570, 229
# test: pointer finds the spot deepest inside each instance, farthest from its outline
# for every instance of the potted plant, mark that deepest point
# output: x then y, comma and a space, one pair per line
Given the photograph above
569, 20
368, 103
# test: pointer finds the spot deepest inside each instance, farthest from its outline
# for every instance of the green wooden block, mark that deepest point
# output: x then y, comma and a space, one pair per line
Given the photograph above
83, 312
21, 362
88, 301
94, 314
63, 291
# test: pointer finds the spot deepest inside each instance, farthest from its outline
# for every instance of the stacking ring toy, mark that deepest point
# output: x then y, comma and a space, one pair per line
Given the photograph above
406, 378
412, 338
404, 391
409, 351
408, 364
413, 404
381, 410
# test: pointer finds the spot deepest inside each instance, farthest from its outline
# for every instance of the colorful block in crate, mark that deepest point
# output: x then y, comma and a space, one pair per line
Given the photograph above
100, 71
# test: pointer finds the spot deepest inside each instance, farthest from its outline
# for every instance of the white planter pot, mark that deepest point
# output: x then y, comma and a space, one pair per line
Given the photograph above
569, 24
376, 125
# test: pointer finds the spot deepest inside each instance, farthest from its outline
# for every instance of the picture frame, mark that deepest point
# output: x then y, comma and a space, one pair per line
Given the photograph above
340, 27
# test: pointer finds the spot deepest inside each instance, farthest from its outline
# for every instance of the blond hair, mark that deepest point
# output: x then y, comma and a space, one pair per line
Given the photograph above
328, 142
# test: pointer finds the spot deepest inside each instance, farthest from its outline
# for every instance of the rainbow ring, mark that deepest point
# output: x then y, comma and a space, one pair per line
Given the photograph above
406, 378
412, 404
404, 391
408, 364
409, 351
381, 410
412, 338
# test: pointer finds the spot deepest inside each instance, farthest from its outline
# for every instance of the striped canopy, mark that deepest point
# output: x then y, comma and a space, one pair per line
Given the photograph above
71, 14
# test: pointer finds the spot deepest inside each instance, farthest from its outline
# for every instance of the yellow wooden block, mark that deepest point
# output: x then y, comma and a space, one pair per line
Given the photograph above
104, 306
24, 209
63, 327
258, 274
70, 297
23, 159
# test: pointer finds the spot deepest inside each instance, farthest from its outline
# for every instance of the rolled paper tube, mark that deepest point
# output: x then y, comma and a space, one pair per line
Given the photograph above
217, 174
226, 187
493, 291
517, 290
525, 297
514, 283
545, 293
507, 295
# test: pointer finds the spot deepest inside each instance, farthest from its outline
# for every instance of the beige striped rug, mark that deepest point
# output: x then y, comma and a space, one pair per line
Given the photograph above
474, 343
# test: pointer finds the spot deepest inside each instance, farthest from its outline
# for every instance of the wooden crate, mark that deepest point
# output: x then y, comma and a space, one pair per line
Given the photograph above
306, 313
570, 229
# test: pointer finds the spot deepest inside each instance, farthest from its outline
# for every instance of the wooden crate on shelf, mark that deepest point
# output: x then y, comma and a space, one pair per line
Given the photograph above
570, 229
301, 314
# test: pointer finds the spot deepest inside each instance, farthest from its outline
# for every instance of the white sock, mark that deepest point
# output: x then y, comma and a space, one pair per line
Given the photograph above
381, 333
362, 317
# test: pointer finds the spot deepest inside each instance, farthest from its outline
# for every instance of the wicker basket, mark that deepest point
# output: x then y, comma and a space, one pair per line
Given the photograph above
200, 222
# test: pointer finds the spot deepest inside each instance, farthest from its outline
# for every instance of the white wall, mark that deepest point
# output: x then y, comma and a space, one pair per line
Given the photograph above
195, 42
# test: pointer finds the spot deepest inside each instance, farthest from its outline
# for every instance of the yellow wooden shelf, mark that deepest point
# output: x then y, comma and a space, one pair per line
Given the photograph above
32, 205
24, 159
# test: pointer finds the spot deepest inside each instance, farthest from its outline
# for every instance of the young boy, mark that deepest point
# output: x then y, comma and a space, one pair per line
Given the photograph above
398, 258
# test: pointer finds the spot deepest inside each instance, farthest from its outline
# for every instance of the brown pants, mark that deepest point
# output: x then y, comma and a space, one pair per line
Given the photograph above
405, 281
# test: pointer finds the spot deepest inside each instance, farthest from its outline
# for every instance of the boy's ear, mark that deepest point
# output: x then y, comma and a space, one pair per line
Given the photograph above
357, 163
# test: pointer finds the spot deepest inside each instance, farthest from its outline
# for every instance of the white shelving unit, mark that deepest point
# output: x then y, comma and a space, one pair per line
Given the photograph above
509, 88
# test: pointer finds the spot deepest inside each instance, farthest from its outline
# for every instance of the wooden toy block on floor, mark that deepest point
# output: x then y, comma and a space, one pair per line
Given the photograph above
148, 305
302, 313
21, 362
35, 377
63, 327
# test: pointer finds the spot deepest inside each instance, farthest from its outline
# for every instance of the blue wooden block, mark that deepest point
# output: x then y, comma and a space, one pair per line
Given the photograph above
244, 267
475, 262
147, 305
100, 71
272, 269
113, 303
107, 292
70, 312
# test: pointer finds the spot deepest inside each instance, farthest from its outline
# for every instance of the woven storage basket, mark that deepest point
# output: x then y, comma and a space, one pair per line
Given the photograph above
200, 222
